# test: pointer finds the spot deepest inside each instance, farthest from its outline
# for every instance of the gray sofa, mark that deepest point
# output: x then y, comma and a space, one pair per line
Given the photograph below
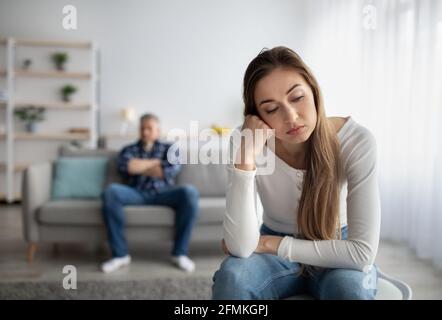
73, 220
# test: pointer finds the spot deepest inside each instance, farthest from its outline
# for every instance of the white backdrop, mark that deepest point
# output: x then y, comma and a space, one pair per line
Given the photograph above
389, 79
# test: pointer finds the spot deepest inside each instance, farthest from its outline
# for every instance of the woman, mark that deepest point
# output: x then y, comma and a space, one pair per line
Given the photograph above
321, 216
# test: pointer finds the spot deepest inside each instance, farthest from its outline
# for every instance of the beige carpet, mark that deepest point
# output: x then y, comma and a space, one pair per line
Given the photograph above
151, 276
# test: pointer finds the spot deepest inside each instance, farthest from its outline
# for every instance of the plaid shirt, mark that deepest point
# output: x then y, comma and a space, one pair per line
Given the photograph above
146, 183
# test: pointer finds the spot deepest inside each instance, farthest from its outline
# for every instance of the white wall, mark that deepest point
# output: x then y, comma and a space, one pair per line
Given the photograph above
183, 60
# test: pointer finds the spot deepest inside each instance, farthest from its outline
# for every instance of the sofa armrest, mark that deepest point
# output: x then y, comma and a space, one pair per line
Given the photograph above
36, 190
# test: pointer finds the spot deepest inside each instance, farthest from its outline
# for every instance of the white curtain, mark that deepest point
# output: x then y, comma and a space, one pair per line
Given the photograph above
381, 62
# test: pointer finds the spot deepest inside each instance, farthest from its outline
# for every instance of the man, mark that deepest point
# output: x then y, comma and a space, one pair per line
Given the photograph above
150, 179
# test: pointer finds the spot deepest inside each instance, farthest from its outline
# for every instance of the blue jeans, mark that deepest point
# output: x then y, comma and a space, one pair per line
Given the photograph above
269, 277
183, 199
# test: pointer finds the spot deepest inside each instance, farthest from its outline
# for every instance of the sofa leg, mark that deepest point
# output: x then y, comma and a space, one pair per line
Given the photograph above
32, 247
55, 249
99, 249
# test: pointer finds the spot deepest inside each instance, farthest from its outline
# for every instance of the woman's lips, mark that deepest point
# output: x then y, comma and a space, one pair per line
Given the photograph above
295, 131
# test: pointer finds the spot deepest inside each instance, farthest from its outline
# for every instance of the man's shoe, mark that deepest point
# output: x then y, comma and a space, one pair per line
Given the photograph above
184, 263
115, 264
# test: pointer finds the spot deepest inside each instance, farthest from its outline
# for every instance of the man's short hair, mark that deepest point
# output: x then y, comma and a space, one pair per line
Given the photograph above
149, 116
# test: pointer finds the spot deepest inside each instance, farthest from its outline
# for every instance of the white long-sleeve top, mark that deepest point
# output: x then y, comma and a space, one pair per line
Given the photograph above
280, 192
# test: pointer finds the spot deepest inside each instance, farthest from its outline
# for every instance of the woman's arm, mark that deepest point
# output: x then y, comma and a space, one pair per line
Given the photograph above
266, 244
240, 226
363, 214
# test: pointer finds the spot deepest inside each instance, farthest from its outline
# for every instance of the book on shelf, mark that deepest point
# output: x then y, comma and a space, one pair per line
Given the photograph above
79, 130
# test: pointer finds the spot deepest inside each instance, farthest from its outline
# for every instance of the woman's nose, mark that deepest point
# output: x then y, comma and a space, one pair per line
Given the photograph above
290, 114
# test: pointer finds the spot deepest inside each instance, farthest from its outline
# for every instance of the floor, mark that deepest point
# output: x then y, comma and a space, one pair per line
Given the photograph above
151, 261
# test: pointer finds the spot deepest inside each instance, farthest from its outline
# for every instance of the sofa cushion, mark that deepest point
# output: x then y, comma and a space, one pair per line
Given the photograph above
79, 177
88, 212
112, 174
209, 179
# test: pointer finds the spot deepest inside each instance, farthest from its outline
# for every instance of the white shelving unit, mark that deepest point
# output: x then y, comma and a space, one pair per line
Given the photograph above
10, 168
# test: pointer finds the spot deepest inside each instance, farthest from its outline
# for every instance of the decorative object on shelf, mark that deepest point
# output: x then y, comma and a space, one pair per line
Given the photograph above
79, 130
26, 64
30, 116
128, 116
67, 91
221, 131
59, 59
76, 144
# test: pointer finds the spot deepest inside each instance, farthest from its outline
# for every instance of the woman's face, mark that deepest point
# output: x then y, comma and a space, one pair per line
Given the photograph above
285, 102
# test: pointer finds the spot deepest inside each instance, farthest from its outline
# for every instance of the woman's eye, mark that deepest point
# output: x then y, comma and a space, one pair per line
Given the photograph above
272, 110
297, 99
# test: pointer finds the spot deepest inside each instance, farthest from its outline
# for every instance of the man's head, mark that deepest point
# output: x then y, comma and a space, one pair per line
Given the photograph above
149, 128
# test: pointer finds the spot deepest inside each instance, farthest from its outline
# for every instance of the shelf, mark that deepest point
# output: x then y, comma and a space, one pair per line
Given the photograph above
49, 74
55, 105
48, 136
20, 167
53, 74
117, 136
17, 197
47, 43
51, 136
17, 167
71, 130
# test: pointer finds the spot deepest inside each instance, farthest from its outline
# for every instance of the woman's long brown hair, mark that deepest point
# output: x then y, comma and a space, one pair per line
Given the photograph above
318, 210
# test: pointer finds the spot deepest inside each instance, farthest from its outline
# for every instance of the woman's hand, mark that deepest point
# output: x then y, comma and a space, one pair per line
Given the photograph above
268, 244
224, 247
252, 145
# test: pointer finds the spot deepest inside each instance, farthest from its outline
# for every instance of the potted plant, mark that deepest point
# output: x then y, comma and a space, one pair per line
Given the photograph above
30, 116
59, 59
26, 64
67, 91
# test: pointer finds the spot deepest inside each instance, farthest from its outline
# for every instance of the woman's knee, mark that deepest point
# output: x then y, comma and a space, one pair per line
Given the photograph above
345, 284
231, 280
232, 267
